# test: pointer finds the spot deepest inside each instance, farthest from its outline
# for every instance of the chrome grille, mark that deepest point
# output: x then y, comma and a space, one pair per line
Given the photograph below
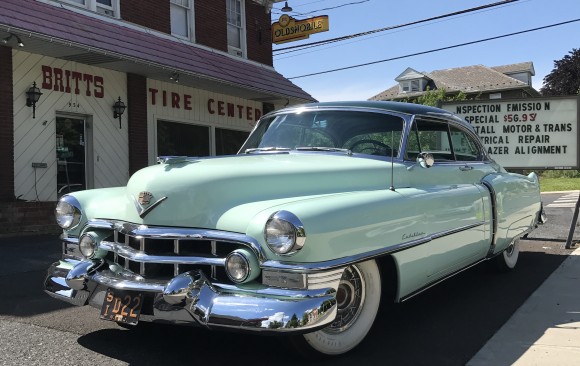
158, 257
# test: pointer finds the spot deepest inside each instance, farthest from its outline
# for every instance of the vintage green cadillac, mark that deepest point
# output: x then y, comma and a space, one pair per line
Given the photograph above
327, 209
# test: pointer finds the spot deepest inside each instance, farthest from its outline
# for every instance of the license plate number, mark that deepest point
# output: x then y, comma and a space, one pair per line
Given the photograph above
122, 306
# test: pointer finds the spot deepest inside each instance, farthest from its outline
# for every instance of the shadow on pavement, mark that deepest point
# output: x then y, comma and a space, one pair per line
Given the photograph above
445, 325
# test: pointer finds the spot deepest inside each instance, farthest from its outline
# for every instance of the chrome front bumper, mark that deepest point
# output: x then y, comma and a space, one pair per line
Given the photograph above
190, 298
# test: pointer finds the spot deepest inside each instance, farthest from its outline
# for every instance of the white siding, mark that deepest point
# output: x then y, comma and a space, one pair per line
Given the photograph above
35, 140
198, 114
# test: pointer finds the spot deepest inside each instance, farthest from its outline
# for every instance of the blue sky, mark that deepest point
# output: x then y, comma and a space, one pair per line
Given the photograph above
542, 47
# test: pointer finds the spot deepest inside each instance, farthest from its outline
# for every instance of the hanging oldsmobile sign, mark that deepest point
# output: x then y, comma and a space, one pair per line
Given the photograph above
532, 133
288, 29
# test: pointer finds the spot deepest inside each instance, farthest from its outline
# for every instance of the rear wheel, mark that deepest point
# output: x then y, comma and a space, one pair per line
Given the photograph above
507, 260
358, 297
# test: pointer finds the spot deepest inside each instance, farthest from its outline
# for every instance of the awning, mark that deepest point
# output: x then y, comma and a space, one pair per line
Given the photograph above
58, 31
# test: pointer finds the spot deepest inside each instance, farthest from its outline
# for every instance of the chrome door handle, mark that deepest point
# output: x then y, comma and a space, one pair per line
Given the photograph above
465, 168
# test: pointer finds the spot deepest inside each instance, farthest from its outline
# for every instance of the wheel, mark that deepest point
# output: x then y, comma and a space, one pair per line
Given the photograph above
371, 147
358, 298
507, 260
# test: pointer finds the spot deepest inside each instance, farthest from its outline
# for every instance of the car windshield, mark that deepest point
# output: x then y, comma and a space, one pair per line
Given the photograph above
340, 131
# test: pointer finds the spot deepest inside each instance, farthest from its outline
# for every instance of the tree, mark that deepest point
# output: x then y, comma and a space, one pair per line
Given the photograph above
564, 79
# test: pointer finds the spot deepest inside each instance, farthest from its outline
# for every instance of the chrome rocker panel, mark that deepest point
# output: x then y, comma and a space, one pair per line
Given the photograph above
190, 298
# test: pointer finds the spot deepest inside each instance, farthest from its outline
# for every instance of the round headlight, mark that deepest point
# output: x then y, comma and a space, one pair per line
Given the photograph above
87, 245
237, 266
67, 212
284, 233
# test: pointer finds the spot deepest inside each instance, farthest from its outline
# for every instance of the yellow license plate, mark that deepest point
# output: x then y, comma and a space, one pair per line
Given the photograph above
122, 306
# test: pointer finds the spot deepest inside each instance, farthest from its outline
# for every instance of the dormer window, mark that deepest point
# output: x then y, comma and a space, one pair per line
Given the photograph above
409, 86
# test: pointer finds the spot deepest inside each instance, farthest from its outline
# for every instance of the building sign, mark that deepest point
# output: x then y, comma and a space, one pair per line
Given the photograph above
533, 133
288, 29
72, 82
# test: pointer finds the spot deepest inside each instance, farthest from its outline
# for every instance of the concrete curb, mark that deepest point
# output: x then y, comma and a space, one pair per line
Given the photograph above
545, 330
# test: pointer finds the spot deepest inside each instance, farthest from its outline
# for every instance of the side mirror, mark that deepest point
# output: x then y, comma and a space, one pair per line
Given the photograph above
426, 160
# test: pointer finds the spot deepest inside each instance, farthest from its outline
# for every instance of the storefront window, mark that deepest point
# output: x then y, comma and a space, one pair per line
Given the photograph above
228, 142
180, 139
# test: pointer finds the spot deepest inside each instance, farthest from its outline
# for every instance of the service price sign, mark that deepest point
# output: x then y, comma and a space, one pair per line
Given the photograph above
532, 133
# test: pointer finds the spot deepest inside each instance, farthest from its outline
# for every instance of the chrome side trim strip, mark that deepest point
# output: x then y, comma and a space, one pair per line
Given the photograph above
346, 261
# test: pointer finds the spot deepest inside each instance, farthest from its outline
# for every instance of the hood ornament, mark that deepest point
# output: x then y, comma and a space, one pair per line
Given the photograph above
143, 201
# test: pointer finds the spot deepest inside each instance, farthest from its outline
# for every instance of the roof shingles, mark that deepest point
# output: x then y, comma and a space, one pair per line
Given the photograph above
142, 45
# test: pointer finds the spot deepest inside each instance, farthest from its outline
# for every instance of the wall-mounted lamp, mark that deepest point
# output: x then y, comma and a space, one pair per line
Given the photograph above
174, 77
118, 110
286, 8
32, 96
7, 39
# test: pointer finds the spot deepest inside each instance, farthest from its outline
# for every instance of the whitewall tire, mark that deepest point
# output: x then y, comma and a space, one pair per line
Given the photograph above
507, 260
358, 298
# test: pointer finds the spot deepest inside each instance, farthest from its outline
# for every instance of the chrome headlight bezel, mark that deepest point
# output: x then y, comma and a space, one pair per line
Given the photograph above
68, 212
291, 235
235, 255
89, 241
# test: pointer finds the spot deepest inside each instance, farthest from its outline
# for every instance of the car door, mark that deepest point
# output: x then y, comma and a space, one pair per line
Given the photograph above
456, 205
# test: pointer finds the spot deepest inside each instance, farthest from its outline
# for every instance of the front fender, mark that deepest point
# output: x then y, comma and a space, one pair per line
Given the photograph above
348, 224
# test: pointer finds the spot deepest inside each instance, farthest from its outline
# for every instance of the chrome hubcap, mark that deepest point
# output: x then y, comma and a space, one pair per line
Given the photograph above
350, 297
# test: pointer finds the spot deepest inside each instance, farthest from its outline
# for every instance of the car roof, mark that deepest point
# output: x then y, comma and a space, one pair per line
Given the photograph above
400, 107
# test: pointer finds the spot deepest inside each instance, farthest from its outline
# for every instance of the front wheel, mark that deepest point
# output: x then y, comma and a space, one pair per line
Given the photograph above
358, 297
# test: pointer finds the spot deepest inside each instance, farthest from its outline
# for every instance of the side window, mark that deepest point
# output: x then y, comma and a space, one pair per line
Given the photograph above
464, 147
431, 137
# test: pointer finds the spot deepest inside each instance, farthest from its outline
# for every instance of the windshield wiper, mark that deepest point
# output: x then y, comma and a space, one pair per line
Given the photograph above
322, 148
270, 148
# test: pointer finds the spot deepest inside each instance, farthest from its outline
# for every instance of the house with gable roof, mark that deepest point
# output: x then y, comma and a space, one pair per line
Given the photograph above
477, 81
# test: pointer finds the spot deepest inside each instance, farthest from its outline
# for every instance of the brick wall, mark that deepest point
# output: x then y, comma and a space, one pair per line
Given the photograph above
137, 121
211, 24
27, 218
152, 14
6, 126
258, 33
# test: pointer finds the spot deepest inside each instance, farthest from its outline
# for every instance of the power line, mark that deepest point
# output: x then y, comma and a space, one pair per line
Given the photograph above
338, 39
330, 8
436, 49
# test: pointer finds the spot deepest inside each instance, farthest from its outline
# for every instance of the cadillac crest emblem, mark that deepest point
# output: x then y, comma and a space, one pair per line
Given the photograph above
145, 197
143, 203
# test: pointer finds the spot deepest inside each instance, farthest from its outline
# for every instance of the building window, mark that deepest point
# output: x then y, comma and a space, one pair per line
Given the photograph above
229, 142
495, 96
181, 139
182, 19
236, 27
415, 85
105, 7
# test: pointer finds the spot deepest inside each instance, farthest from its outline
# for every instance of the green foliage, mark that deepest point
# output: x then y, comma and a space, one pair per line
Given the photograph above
564, 79
434, 97
560, 174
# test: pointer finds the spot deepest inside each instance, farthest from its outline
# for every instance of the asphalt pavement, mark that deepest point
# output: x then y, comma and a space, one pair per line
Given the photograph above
466, 320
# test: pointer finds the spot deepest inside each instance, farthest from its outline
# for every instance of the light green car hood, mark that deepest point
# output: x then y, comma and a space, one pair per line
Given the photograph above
226, 193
